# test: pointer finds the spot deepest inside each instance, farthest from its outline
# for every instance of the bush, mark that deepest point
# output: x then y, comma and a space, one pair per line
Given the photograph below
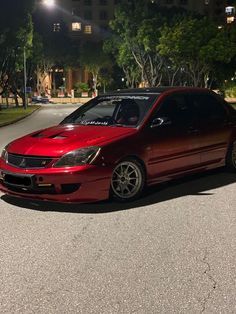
81, 87
54, 93
230, 91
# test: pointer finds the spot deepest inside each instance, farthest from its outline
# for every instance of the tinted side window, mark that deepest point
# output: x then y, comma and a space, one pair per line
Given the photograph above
208, 109
177, 109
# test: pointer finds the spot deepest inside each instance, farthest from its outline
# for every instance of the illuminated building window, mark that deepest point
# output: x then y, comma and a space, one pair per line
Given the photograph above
56, 27
76, 26
230, 19
88, 29
230, 10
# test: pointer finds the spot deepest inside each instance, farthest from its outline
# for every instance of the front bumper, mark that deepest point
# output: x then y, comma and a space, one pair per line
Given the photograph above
80, 184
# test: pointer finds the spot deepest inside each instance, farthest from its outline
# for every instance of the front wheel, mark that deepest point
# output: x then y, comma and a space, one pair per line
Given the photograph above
128, 179
231, 158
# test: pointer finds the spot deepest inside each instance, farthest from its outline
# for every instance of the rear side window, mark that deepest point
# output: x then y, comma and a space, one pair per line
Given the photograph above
208, 109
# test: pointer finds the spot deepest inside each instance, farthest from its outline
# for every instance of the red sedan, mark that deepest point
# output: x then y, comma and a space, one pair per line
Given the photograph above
118, 143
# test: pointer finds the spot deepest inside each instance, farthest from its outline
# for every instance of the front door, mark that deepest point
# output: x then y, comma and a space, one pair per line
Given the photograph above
173, 145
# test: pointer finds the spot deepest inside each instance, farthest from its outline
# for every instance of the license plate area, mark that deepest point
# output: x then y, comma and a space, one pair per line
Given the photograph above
18, 180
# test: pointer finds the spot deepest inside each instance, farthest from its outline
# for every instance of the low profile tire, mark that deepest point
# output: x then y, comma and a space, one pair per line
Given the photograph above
231, 158
128, 179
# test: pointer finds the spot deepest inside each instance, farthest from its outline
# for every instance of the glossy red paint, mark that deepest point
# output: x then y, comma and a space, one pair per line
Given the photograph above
185, 143
93, 184
58, 140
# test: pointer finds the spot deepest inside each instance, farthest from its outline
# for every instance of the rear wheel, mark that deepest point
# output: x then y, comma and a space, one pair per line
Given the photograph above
128, 180
231, 158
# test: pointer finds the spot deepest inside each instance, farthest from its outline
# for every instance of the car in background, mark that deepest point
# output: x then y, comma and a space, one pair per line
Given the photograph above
40, 100
118, 143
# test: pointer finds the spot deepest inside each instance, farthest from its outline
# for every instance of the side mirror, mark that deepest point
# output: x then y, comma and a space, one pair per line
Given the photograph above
161, 121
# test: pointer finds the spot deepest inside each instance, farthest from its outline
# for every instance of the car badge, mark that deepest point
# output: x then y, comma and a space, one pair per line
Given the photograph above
22, 163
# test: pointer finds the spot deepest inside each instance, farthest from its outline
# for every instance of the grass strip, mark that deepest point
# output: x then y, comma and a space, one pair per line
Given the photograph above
11, 115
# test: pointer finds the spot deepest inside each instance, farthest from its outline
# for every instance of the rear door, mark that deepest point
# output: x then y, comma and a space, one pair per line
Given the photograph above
214, 127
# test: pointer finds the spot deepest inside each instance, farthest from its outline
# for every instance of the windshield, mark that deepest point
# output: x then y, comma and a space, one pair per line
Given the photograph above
121, 110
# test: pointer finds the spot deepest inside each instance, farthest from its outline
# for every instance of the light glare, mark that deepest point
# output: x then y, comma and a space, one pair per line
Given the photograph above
49, 3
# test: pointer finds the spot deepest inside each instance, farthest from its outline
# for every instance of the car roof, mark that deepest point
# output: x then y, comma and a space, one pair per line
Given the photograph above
157, 90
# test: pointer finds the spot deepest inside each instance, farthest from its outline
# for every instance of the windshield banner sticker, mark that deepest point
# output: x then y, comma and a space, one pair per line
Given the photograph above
94, 123
117, 98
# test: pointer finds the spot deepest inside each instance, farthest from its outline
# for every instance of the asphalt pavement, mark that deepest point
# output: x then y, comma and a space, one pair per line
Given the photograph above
172, 251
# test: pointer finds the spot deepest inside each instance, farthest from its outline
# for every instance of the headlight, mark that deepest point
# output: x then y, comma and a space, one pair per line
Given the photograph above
78, 157
4, 154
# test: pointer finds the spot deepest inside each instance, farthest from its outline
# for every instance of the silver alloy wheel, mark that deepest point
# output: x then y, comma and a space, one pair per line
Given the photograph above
127, 180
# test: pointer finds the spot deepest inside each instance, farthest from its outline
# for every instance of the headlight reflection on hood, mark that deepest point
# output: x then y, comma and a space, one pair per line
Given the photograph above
78, 157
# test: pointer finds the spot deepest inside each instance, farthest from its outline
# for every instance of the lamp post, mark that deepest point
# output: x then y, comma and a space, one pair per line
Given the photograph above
25, 79
64, 85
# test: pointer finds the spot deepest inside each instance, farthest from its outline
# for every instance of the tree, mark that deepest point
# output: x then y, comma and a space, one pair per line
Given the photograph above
121, 52
130, 52
197, 45
136, 36
16, 38
94, 59
38, 65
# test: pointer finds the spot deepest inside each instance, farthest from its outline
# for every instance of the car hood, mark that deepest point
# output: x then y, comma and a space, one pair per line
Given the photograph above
58, 140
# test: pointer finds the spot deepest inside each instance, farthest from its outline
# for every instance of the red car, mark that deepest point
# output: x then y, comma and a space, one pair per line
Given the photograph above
118, 143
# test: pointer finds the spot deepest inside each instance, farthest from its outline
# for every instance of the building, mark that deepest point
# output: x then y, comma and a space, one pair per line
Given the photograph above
212, 8
88, 19
190, 5
230, 12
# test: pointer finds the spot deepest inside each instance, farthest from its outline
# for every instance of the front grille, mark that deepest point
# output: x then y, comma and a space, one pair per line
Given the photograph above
28, 162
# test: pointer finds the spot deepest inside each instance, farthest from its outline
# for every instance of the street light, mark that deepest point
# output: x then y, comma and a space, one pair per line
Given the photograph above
25, 79
48, 3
